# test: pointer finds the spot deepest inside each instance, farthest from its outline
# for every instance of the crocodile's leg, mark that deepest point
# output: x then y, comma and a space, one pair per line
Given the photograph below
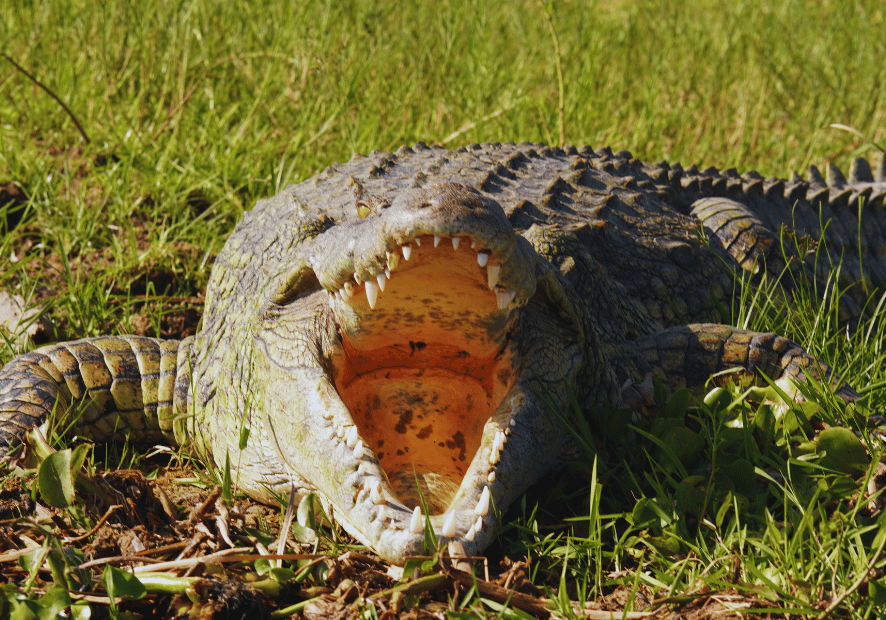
109, 387
687, 356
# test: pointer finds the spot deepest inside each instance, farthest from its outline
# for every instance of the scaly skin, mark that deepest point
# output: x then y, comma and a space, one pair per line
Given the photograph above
573, 270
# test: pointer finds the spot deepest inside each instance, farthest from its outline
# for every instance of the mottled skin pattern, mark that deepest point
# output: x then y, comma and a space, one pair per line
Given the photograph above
601, 270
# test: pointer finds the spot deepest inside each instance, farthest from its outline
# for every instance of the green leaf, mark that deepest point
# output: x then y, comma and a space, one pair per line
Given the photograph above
845, 452
718, 399
122, 583
282, 575
677, 405
764, 424
877, 591
55, 479
54, 601
684, 442
741, 473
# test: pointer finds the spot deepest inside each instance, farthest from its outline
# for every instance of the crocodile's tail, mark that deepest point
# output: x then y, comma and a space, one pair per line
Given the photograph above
100, 388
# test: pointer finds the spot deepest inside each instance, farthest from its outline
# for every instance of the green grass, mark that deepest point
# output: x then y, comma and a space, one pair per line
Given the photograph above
196, 109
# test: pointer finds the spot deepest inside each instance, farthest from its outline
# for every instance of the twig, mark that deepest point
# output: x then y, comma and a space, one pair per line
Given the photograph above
101, 522
51, 94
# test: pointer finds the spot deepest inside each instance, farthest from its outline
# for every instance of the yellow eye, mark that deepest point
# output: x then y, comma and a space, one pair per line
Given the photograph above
363, 210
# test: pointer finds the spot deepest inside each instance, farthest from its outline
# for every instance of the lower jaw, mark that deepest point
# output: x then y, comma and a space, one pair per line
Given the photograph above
424, 425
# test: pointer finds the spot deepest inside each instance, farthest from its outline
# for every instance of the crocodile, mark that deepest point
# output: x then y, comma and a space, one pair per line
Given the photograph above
393, 333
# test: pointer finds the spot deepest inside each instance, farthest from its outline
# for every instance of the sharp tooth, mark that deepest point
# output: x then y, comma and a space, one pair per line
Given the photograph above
482, 507
479, 524
482, 259
449, 526
349, 289
473, 244
358, 450
417, 242
407, 250
371, 293
436, 240
501, 297
353, 437
388, 274
357, 280
416, 525
343, 293
382, 280
492, 273
470, 535
340, 431
393, 260
375, 494
494, 457
491, 477
455, 242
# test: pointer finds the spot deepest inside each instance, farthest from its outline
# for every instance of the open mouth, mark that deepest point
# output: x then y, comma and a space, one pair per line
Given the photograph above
425, 361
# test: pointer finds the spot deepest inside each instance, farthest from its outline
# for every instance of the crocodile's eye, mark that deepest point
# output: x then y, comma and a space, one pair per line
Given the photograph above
370, 205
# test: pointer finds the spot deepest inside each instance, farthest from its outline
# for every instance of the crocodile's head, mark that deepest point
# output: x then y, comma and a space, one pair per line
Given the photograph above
430, 320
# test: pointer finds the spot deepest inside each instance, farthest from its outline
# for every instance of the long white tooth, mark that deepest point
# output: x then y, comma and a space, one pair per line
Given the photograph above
436, 240
492, 273
343, 293
494, 457
407, 250
482, 507
479, 524
417, 242
358, 450
388, 274
353, 437
455, 242
482, 259
491, 477
470, 534
371, 293
416, 525
382, 280
449, 526
375, 494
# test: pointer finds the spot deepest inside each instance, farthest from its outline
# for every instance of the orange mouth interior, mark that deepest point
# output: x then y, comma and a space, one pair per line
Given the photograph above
423, 371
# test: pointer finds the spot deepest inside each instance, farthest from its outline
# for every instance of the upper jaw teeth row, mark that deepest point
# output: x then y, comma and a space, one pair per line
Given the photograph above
372, 486
503, 296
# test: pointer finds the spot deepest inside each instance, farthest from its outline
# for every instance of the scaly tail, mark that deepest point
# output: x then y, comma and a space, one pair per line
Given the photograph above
104, 388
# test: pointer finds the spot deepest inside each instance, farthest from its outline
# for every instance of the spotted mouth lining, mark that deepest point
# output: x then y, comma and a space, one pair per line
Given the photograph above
425, 367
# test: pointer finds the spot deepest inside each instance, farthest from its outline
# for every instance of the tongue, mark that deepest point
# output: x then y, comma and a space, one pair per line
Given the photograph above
420, 422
